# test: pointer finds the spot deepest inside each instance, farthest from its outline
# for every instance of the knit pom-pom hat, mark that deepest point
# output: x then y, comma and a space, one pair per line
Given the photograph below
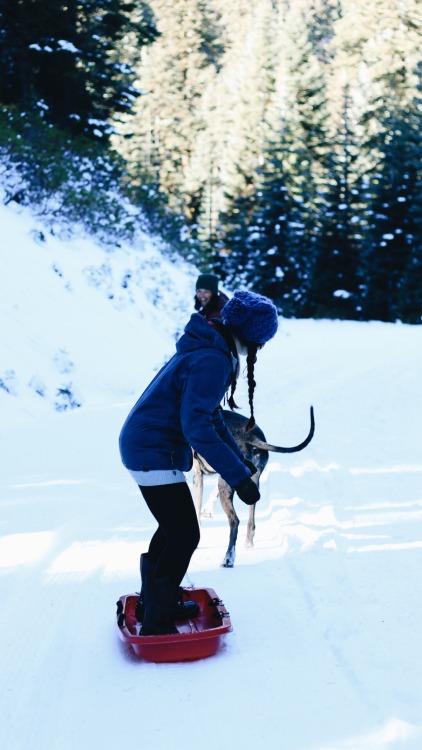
251, 317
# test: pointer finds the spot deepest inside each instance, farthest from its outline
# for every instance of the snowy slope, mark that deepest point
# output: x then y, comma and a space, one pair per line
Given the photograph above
326, 651
58, 305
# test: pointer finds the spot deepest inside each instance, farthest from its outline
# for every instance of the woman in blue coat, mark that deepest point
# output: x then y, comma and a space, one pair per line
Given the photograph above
180, 412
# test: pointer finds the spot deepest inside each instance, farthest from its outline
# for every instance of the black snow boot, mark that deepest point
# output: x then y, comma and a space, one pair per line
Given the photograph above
182, 610
145, 568
160, 594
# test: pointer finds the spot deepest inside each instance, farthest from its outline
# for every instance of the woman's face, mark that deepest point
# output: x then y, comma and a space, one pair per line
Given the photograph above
204, 296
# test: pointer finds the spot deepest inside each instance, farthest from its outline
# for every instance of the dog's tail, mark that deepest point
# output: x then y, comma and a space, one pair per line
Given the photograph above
257, 443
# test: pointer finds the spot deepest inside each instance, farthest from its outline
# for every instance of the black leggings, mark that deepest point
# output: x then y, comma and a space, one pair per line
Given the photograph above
177, 536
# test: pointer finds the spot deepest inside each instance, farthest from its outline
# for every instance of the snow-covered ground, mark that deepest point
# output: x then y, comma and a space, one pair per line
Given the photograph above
326, 650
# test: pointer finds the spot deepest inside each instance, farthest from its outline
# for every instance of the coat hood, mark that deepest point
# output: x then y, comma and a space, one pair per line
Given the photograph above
199, 334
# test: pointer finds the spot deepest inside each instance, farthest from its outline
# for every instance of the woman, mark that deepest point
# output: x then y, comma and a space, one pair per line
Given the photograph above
180, 412
209, 302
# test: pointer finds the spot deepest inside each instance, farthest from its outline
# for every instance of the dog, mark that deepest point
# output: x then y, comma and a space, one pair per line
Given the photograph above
255, 447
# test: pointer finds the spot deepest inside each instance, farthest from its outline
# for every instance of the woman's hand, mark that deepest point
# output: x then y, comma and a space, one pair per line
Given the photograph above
248, 491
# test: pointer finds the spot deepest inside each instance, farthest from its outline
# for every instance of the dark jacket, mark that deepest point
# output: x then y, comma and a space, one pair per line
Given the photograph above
214, 307
180, 410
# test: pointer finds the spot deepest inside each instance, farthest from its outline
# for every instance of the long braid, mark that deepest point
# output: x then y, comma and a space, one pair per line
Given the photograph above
231, 402
250, 361
219, 326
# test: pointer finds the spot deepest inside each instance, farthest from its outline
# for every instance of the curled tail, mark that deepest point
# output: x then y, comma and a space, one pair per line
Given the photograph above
258, 443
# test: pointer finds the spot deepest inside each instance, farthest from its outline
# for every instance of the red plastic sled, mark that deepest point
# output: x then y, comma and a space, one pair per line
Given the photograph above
197, 638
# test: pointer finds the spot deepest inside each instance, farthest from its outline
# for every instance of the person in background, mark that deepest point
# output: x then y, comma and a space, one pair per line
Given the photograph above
180, 412
209, 302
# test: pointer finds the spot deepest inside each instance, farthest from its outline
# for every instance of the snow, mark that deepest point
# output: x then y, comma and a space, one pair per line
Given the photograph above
326, 610
67, 46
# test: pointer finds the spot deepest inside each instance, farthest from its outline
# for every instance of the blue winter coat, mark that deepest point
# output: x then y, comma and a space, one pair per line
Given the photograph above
180, 410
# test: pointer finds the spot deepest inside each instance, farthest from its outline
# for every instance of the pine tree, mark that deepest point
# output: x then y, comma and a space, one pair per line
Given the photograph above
409, 302
393, 260
378, 45
241, 98
336, 290
73, 59
262, 239
174, 73
296, 168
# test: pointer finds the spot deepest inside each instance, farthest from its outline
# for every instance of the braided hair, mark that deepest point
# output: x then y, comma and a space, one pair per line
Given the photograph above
231, 402
250, 364
252, 318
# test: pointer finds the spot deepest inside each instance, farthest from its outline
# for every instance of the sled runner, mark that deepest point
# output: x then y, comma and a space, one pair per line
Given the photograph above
197, 638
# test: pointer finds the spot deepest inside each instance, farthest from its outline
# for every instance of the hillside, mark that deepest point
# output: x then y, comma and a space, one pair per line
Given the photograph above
76, 317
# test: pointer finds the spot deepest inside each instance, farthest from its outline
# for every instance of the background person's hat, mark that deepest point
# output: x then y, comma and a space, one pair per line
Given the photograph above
251, 317
208, 281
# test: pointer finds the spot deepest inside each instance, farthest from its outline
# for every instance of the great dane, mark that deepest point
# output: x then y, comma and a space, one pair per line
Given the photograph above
256, 449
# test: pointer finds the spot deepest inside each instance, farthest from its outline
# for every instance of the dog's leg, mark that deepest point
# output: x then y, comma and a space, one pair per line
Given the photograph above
250, 532
197, 486
226, 499
208, 509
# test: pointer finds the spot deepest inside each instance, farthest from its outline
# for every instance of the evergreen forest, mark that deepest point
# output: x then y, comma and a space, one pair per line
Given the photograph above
276, 143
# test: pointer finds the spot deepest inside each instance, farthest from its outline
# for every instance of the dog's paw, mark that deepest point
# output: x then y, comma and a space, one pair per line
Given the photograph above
229, 558
208, 509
